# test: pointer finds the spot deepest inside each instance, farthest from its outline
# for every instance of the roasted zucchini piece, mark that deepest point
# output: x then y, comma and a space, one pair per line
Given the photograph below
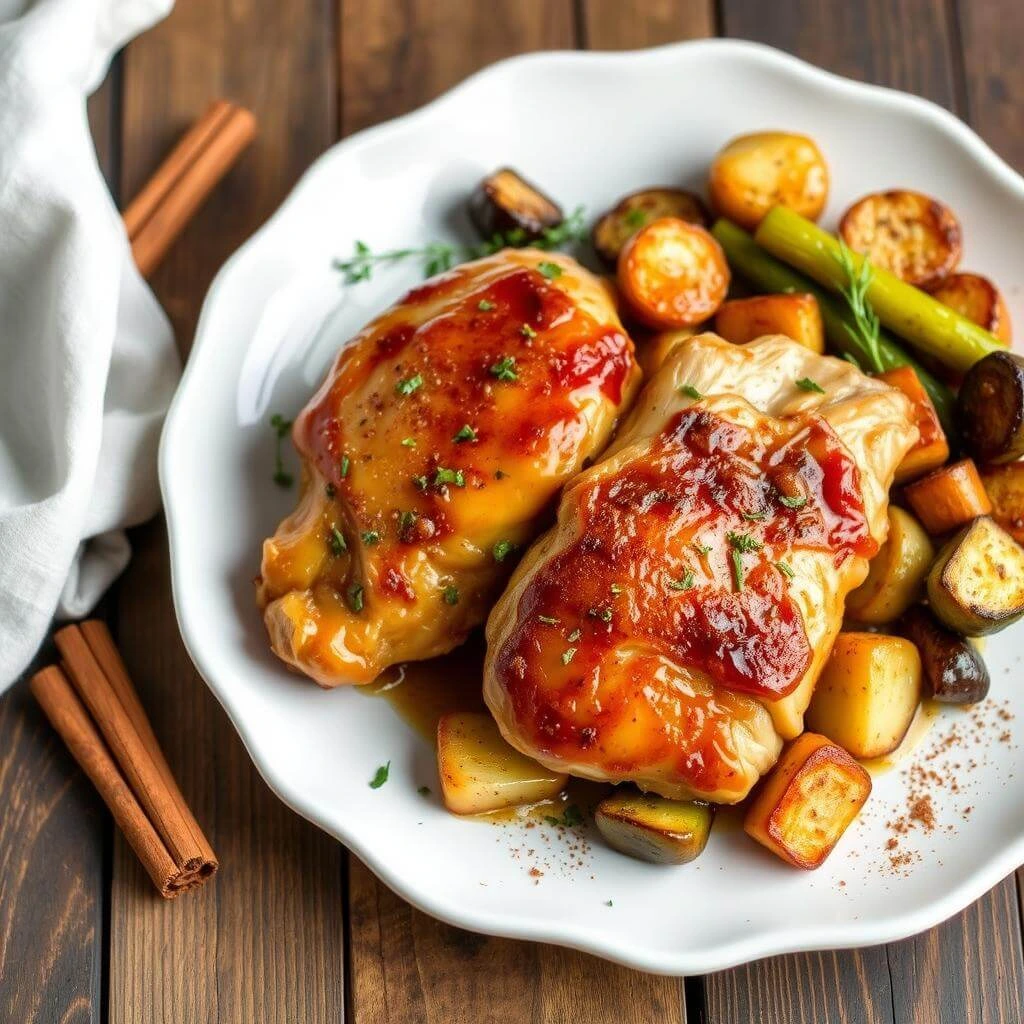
990, 407
952, 670
481, 772
911, 235
673, 274
1005, 488
896, 574
867, 694
654, 829
638, 209
979, 300
753, 173
808, 801
932, 448
796, 316
949, 497
976, 586
506, 203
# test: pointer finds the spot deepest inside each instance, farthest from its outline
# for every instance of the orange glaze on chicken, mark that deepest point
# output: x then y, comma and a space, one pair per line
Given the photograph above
435, 447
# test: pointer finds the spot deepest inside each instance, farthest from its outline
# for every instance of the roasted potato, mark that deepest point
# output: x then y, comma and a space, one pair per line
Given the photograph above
979, 300
505, 202
948, 497
913, 236
654, 829
634, 211
976, 586
672, 274
867, 694
896, 574
932, 448
808, 801
952, 670
1005, 488
990, 408
480, 772
652, 351
796, 316
753, 173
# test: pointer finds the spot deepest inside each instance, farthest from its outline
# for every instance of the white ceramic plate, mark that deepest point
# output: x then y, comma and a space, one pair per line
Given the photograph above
588, 127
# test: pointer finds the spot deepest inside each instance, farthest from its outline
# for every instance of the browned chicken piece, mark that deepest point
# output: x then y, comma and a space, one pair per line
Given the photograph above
432, 453
668, 631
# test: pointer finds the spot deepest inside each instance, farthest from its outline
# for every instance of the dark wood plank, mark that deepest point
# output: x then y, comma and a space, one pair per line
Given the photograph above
404, 965
613, 25
970, 968
264, 941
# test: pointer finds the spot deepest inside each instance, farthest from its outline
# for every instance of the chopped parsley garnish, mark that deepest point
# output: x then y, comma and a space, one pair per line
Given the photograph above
701, 549
409, 442
608, 903
737, 569
354, 596
604, 614
527, 331
485, 306
421, 483
755, 517
344, 468
635, 218
785, 568
685, 583
550, 270
444, 476
568, 654
616, 588
548, 620
741, 543
502, 550
330, 490
806, 384
797, 502
409, 385
466, 433
406, 521
281, 426
423, 791
571, 817
336, 542
574, 635
370, 537
380, 776
500, 474
505, 369
691, 392
451, 595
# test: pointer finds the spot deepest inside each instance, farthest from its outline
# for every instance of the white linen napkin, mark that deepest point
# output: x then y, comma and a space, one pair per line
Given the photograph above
87, 360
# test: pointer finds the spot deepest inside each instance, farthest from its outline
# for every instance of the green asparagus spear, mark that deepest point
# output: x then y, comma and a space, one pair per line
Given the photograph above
767, 274
925, 323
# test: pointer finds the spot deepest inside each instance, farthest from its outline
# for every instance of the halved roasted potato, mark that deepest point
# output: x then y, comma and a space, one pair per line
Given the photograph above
990, 408
673, 274
932, 448
797, 316
952, 670
976, 586
948, 497
481, 772
979, 300
653, 350
654, 829
911, 235
896, 574
752, 173
620, 224
506, 202
867, 694
808, 801
1005, 488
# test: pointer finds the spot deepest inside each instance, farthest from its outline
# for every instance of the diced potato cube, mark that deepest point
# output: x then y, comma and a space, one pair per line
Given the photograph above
654, 829
867, 694
481, 772
808, 801
796, 316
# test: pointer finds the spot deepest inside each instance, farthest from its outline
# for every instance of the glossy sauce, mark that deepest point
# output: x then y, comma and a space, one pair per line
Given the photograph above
921, 725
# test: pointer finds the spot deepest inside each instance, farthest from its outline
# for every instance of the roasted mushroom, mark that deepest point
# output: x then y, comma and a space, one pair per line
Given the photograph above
506, 203
953, 671
620, 224
991, 408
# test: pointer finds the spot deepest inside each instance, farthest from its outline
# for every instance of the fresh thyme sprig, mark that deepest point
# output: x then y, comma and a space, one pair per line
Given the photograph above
855, 293
438, 257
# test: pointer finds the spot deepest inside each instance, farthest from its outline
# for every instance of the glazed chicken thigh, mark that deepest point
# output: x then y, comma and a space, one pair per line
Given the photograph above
670, 628
433, 450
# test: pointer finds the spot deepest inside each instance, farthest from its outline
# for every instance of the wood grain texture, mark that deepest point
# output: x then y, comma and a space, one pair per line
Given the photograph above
613, 25
264, 940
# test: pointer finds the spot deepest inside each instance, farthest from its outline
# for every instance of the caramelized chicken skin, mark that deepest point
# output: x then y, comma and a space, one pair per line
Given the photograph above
669, 629
435, 448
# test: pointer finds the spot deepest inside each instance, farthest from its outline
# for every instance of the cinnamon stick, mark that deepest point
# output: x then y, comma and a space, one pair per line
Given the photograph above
206, 152
93, 705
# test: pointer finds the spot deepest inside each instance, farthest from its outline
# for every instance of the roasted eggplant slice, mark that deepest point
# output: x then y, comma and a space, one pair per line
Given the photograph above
638, 209
979, 300
976, 586
506, 203
654, 829
991, 408
953, 671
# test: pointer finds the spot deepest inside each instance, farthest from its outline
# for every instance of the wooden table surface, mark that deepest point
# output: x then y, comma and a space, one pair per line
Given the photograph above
293, 929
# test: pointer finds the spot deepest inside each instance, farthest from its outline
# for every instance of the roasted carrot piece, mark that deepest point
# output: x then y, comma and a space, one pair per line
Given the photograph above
932, 448
949, 497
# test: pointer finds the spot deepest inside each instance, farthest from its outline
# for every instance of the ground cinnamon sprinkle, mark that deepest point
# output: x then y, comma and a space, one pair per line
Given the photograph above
923, 813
